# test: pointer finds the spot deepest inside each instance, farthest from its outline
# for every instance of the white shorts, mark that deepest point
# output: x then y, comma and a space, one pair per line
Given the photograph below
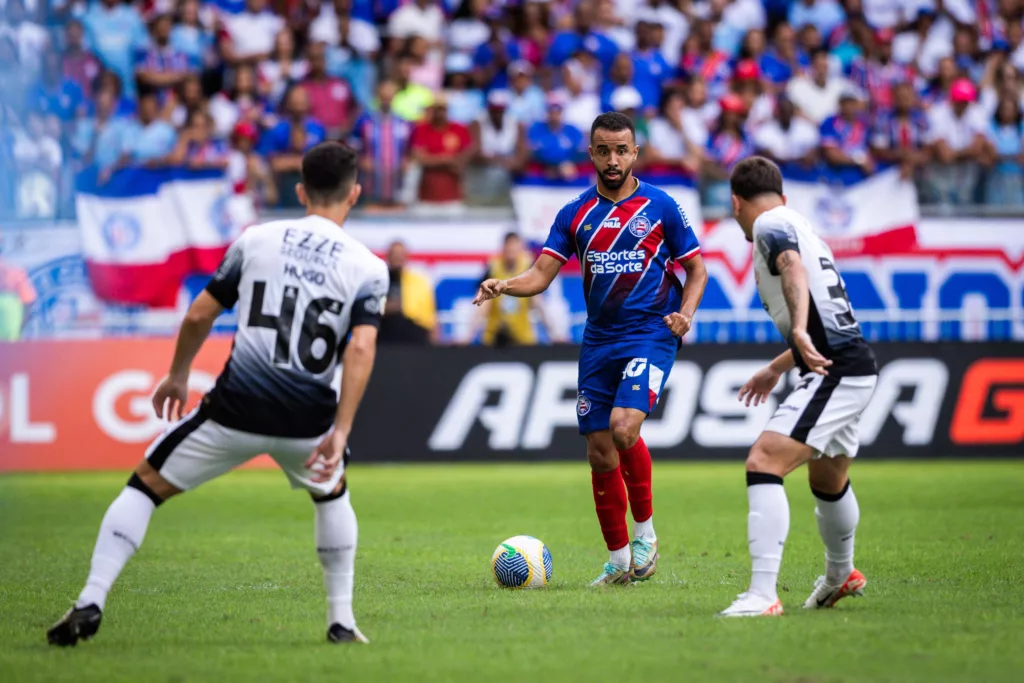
196, 449
823, 412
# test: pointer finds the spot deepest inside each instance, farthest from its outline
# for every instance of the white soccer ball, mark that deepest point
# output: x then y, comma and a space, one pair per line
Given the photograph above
522, 562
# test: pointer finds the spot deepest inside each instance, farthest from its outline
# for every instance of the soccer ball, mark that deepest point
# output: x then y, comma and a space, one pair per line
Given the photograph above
522, 562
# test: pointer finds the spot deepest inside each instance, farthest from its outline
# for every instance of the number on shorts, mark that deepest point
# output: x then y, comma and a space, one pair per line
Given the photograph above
837, 292
312, 328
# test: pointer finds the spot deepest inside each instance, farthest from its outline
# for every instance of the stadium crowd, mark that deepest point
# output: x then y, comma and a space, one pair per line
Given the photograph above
449, 101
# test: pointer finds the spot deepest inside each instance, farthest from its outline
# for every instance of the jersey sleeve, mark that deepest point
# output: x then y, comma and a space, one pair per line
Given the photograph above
223, 286
774, 238
679, 236
371, 296
559, 242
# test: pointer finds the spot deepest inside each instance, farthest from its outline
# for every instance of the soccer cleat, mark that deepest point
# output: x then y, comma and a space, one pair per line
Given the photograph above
612, 576
79, 623
825, 595
339, 634
645, 559
752, 605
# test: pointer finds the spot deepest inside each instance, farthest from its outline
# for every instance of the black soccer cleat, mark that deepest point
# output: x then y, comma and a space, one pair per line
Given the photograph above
79, 623
339, 634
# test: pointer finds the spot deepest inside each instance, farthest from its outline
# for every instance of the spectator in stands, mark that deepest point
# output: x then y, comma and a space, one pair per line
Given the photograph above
620, 76
151, 140
382, 139
899, 136
698, 103
331, 101
412, 99
188, 98
967, 54
506, 321
492, 59
676, 26
526, 102
335, 25
581, 107
700, 60
54, 94
158, 64
533, 31
428, 64
607, 22
923, 45
419, 18
626, 100
676, 138
650, 70
808, 40
78, 64
1004, 185
247, 170
783, 60
732, 19
816, 94
197, 148
283, 67
496, 137
410, 311
296, 132
38, 158
16, 81
844, 140
441, 149
16, 298
877, 74
465, 102
789, 140
30, 39
108, 80
99, 137
937, 90
468, 29
248, 37
115, 31
582, 34
1002, 79
726, 146
190, 37
553, 148
240, 101
957, 132
747, 83
824, 15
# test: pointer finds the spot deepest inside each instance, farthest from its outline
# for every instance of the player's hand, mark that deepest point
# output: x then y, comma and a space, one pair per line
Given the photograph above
170, 398
759, 386
812, 357
326, 457
679, 323
490, 289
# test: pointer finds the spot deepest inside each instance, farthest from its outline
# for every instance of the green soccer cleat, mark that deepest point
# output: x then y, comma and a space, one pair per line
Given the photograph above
612, 576
645, 559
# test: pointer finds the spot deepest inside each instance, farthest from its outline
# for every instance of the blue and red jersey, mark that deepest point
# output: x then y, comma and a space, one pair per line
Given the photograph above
626, 251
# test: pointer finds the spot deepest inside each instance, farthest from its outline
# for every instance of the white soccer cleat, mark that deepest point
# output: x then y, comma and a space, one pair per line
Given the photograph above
752, 605
824, 595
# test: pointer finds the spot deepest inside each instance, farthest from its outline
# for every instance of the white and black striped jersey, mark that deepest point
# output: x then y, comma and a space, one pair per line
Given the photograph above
830, 319
300, 286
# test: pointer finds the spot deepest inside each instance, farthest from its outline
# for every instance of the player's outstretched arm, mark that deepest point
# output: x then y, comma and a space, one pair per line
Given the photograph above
357, 362
170, 397
535, 280
764, 380
797, 294
693, 292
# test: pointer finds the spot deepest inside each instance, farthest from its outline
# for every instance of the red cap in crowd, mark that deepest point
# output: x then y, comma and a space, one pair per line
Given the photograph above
884, 35
747, 70
733, 103
246, 130
962, 90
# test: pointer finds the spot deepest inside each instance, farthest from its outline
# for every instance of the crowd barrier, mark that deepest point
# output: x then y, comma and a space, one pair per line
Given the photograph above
72, 405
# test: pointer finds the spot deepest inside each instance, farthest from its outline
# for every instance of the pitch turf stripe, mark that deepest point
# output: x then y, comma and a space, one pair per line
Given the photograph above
163, 449
815, 407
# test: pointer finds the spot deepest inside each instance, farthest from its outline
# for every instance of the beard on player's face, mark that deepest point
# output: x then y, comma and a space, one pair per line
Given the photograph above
613, 178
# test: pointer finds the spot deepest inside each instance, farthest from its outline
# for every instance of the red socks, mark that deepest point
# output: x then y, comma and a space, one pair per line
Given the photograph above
610, 501
635, 464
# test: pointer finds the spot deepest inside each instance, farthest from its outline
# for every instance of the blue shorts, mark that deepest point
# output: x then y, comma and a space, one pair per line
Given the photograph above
626, 374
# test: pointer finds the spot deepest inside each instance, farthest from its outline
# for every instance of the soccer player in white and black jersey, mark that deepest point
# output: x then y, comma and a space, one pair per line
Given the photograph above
817, 423
308, 296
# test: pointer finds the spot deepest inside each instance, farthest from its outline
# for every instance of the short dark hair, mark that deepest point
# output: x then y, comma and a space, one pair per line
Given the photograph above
510, 236
755, 176
328, 172
613, 121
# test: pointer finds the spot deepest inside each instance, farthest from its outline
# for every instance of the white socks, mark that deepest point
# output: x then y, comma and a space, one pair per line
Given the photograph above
336, 536
767, 528
645, 530
620, 558
121, 533
837, 516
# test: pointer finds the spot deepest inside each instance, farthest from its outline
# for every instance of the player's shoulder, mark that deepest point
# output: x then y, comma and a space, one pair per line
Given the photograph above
572, 206
780, 219
655, 194
359, 252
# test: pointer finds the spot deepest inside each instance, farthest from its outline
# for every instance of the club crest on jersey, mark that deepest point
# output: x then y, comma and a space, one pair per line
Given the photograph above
639, 226
612, 222
582, 405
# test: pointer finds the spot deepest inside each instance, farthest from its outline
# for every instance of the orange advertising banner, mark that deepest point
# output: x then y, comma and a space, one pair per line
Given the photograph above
71, 405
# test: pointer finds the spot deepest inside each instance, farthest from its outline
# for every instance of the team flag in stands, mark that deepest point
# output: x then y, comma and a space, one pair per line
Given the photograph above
536, 201
145, 230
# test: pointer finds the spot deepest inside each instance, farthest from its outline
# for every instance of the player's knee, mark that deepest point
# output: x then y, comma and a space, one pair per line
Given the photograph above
602, 460
625, 432
825, 477
760, 459
149, 481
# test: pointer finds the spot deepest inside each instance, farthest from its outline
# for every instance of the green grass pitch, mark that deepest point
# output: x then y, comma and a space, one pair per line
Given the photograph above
227, 586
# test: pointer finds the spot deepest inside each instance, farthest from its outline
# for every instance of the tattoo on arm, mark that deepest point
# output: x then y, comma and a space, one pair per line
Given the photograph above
794, 287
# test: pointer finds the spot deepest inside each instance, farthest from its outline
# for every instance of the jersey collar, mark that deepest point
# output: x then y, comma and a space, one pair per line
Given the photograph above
597, 189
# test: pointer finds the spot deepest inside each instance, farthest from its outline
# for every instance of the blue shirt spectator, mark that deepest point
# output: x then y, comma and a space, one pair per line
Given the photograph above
150, 139
553, 142
526, 100
158, 64
844, 140
54, 94
489, 58
189, 36
566, 44
650, 71
99, 137
824, 15
115, 31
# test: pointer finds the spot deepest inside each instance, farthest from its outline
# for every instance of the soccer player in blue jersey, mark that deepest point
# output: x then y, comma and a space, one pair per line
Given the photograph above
627, 235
